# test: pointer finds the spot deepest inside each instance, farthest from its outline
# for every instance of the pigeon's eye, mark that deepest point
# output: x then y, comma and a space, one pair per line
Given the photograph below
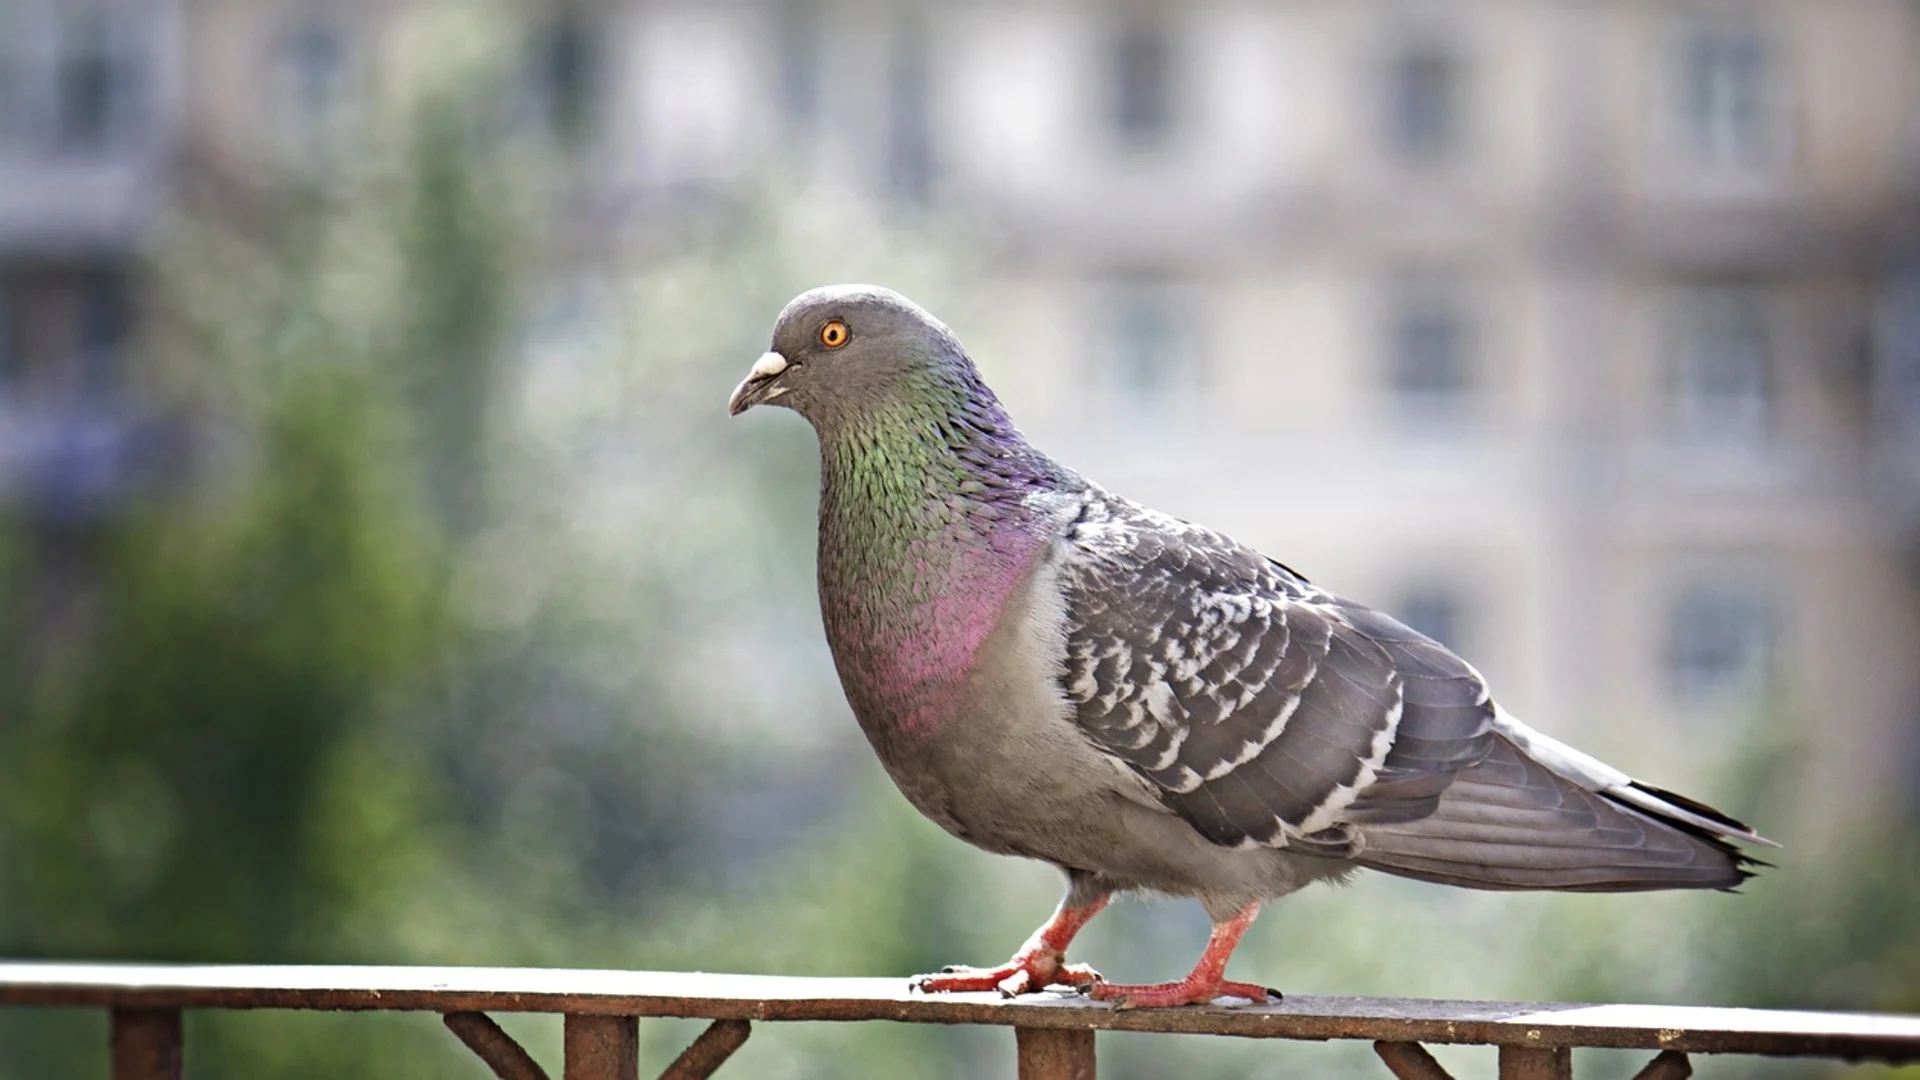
834, 334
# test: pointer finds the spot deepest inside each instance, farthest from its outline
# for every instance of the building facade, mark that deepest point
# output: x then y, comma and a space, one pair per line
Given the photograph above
1583, 335
87, 107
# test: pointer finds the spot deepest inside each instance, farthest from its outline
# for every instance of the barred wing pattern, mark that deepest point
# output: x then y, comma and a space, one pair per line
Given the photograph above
1267, 712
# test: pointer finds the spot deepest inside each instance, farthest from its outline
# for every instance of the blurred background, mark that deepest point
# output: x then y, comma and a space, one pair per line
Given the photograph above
381, 580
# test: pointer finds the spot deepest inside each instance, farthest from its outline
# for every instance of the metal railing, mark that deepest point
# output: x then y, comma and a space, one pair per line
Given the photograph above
1054, 1034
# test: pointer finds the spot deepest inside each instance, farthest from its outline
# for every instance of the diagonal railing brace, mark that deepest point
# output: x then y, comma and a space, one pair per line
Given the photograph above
1410, 1061
507, 1059
708, 1052
1670, 1065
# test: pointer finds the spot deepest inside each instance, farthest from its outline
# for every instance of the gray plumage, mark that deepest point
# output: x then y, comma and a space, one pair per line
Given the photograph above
1049, 670
1268, 714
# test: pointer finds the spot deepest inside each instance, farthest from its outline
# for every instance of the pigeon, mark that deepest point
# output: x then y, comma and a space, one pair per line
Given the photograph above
1049, 670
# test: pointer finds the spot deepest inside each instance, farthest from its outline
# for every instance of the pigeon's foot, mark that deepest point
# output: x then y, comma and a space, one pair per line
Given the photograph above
1188, 991
1024, 974
1205, 982
1040, 963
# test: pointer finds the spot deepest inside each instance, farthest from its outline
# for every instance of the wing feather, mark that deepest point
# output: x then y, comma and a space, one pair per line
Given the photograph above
1266, 712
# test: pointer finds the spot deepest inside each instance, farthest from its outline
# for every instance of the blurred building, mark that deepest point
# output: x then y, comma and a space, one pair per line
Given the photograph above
1583, 335
87, 108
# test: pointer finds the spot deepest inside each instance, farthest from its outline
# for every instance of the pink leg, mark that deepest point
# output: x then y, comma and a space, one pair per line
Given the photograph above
1040, 963
1204, 983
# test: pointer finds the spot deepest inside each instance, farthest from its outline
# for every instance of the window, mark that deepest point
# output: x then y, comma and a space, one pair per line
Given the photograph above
96, 79
1729, 95
64, 327
14, 85
316, 86
1722, 380
909, 144
1910, 765
9, 351
100, 333
566, 72
798, 26
72, 74
1434, 610
1142, 74
1898, 378
1425, 104
1720, 639
1150, 356
1429, 344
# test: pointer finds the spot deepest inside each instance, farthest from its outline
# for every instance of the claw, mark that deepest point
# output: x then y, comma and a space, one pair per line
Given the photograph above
1079, 976
1021, 975
1040, 963
1188, 991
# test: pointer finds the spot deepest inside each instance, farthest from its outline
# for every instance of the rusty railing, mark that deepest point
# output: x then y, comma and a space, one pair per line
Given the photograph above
1054, 1035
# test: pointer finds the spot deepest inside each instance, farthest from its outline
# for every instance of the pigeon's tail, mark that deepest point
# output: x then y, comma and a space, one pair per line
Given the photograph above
1537, 814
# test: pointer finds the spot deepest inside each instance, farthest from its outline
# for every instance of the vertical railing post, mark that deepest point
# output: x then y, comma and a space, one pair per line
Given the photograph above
1055, 1053
602, 1048
1536, 1063
146, 1044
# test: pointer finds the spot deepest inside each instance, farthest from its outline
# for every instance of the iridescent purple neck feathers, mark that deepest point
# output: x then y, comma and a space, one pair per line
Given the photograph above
933, 511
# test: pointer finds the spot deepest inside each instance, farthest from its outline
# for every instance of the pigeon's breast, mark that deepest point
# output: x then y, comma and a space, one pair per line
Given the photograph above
1005, 768
907, 629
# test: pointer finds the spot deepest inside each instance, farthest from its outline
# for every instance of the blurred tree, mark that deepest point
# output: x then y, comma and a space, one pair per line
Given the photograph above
167, 796
459, 275
426, 666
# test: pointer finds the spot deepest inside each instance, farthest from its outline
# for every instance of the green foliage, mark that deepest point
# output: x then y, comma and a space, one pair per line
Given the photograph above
421, 669
170, 787
235, 645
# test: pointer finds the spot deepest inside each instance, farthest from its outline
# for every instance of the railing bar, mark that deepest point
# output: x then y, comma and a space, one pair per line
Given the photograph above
708, 1052
1688, 1029
1670, 1065
1055, 1053
145, 999
146, 1044
602, 1047
1536, 1063
508, 1059
1410, 1061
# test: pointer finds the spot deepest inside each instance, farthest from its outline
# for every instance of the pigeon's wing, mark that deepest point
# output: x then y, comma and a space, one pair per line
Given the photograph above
1265, 711
1268, 713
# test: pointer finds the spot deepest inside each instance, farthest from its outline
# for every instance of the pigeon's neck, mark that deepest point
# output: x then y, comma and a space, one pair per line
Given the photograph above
930, 519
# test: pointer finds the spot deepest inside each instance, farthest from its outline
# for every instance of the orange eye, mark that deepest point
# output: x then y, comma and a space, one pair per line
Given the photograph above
834, 334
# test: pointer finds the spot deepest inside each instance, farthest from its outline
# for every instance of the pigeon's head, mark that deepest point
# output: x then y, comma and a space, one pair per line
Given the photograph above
843, 350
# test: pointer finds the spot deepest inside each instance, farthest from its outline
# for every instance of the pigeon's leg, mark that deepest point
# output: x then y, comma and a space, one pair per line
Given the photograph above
1204, 983
1040, 963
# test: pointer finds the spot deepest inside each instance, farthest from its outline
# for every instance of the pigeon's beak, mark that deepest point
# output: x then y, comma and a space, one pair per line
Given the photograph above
758, 386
